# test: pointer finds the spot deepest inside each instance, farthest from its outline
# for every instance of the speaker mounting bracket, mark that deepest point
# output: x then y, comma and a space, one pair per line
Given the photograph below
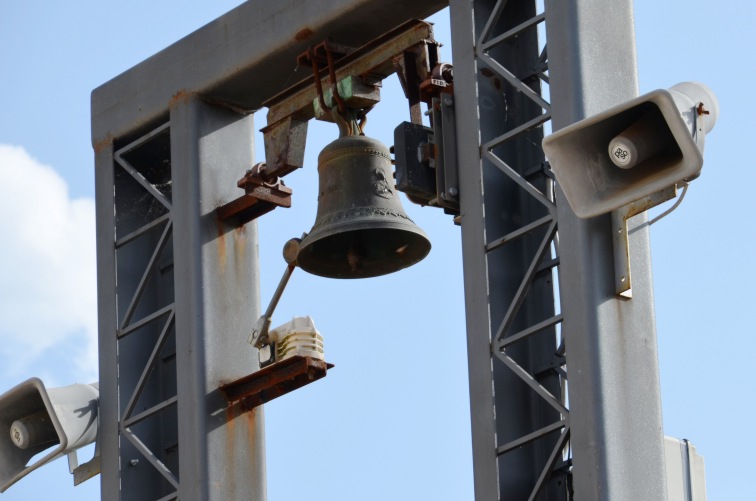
620, 236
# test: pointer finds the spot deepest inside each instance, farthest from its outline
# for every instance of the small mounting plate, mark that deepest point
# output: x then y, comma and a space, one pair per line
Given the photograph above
261, 196
274, 380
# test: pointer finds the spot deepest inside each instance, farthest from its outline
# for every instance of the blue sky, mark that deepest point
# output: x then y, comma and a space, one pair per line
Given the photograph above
392, 420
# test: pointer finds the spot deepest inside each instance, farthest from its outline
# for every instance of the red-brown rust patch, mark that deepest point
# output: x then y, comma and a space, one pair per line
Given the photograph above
103, 143
240, 247
229, 480
303, 34
181, 96
222, 253
252, 438
486, 72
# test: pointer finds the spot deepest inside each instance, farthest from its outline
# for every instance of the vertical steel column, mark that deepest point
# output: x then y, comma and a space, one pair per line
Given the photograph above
217, 300
611, 342
178, 291
108, 435
520, 421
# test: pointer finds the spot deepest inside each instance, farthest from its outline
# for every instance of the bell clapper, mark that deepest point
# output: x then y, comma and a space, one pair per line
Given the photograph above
354, 257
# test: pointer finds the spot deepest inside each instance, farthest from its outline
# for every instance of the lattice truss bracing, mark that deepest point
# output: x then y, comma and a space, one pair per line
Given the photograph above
521, 244
146, 338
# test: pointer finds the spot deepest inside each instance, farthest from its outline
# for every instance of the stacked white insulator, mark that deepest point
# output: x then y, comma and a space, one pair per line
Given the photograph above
298, 338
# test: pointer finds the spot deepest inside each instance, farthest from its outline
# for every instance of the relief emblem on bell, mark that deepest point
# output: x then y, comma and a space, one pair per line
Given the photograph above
380, 185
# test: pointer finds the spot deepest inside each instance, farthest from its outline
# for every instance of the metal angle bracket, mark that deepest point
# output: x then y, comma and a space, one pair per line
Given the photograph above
274, 380
262, 194
620, 237
85, 471
445, 138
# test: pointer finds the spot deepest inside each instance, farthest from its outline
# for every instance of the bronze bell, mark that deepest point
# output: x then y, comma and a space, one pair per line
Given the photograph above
361, 229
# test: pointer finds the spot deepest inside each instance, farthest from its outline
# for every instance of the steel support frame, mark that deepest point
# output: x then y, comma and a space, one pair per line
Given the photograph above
177, 289
607, 435
168, 314
517, 368
520, 419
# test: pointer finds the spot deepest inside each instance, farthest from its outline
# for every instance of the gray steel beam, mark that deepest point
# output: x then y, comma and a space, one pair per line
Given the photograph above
178, 291
474, 263
107, 438
611, 342
222, 455
242, 58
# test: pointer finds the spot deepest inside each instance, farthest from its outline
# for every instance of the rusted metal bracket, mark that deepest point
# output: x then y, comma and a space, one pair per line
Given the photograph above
623, 284
262, 194
422, 77
274, 380
440, 81
324, 54
362, 69
320, 53
343, 77
87, 470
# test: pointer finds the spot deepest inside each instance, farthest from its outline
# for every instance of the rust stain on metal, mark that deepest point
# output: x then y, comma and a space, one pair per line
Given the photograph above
303, 34
222, 251
240, 247
103, 143
273, 381
181, 96
488, 73
232, 413
251, 438
375, 58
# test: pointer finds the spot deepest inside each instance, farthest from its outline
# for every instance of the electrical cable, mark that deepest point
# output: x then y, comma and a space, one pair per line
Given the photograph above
668, 211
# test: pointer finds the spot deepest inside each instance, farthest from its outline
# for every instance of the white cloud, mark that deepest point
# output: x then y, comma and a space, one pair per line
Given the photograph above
48, 284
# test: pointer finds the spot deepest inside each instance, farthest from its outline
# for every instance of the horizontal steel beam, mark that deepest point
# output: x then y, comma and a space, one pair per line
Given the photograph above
242, 58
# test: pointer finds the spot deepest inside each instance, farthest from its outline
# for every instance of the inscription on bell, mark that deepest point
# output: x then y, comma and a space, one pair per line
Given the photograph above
332, 188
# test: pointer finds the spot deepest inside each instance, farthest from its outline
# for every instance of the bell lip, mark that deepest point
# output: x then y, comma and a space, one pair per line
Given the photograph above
421, 241
365, 214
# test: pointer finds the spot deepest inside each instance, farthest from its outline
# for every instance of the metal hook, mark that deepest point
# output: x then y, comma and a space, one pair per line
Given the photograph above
334, 84
316, 76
